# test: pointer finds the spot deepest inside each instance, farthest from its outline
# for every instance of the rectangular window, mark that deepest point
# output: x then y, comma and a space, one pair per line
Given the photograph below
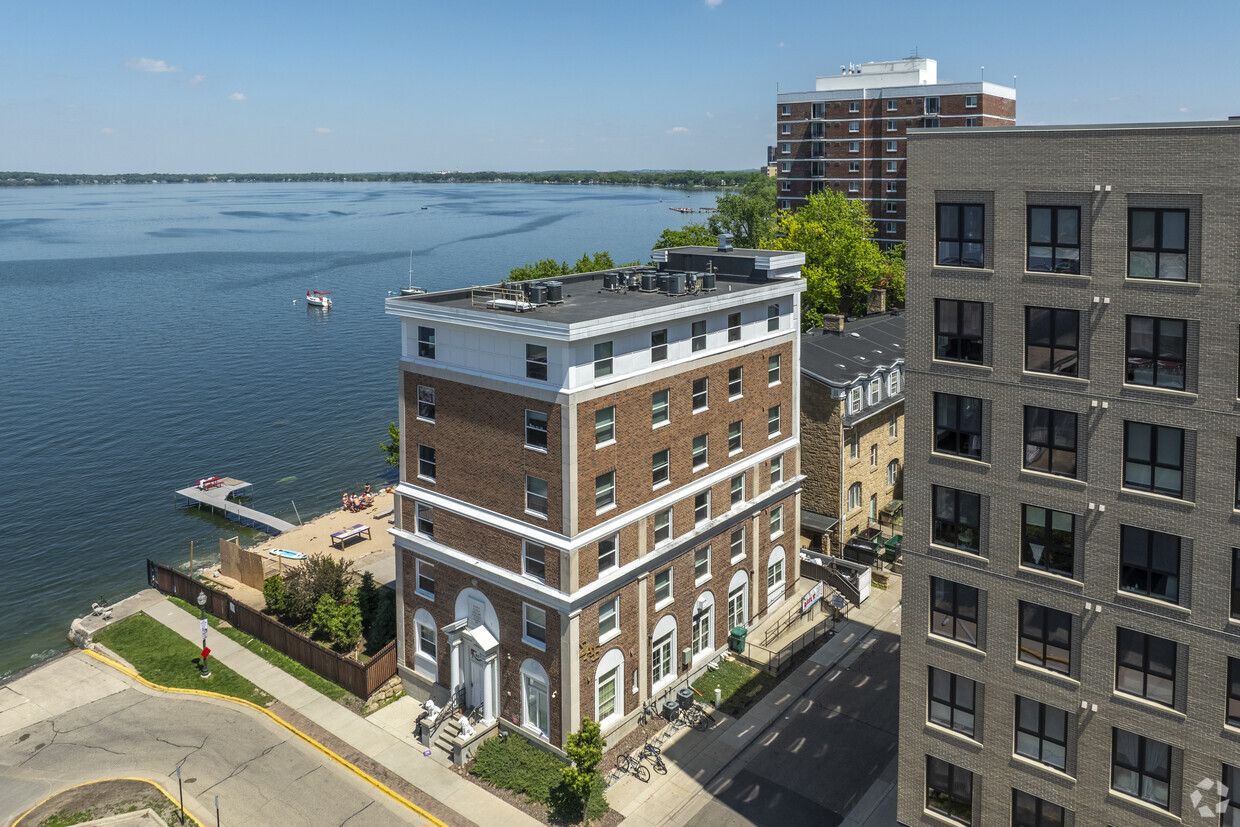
785, 148
534, 560
1233, 691
892, 125
892, 105
892, 146
1156, 352
1145, 666
424, 519
608, 618
1048, 540
662, 526
854, 146
1158, 244
953, 610
958, 329
777, 521
536, 495
535, 625
426, 342
772, 421
891, 209
952, 701
957, 518
737, 490
893, 425
536, 362
701, 565
607, 693
785, 166
1149, 563
889, 227
854, 106
736, 544
854, 498
1141, 767
853, 166
700, 387
661, 659
658, 345
425, 579
734, 383
734, 437
700, 451
1235, 582
785, 110
785, 129
854, 126
970, 101
785, 186
932, 106
1041, 733
772, 317
1045, 637
893, 187
604, 490
949, 790
659, 407
536, 430
1054, 240
873, 456
659, 465
426, 641
605, 425
602, 360
734, 327
426, 462
426, 403
777, 470
1031, 811
1050, 441
1052, 340
893, 473
893, 166
663, 587
893, 383
853, 444
972, 121
701, 507
699, 336
874, 392
772, 372
1231, 780
961, 235
608, 553
1154, 458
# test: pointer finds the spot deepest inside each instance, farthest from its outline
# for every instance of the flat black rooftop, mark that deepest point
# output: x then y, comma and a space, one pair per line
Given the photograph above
866, 343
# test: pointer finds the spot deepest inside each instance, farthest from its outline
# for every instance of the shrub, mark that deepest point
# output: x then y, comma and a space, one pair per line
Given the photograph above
318, 576
516, 764
367, 599
383, 627
273, 593
585, 748
339, 623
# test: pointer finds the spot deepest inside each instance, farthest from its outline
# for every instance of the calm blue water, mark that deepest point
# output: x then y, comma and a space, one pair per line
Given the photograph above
149, 337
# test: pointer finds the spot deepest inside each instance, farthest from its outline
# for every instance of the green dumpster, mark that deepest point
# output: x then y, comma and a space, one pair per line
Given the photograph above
736, 640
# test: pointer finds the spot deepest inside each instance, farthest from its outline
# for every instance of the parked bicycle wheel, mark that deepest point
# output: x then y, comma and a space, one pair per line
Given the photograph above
642, 773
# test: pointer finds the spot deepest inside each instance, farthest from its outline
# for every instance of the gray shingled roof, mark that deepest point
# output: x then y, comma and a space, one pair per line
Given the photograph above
868, 344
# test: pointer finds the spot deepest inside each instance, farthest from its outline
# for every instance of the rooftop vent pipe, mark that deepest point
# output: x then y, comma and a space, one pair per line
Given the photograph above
725, 242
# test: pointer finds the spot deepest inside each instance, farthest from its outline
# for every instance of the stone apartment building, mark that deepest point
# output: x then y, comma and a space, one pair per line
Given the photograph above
852, 428
1071, 637
849, 134
598, 481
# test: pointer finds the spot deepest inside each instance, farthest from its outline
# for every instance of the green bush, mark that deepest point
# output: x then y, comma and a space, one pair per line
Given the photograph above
318, 576
341, 624
382, 629
565, 805
516, 764
273, 593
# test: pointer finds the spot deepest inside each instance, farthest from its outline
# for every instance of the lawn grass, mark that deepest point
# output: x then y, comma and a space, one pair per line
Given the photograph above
740, 685
163, 657
275, 658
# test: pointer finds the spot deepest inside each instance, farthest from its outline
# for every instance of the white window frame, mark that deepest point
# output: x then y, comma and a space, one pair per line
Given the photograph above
734, 556
893, 472
785, 110
874, 456
893, 166
893, 186
614, 554
536, 689
702, 627
777, 521
892, 105
697, 340
418, 510
426, 391
854, 497
666, 600
705, 394
664, 516
530, 492
785, 148
777, 470
854, 166
424, 569
893, 383
891, 209
931, 105
534, 427
854, 399
738, 436
605, 426
890, 227
611, 497
874, 392
774, 421
738, 601
705, 453
854, 106
893, 146
854, 186
854, 445
970, 101
785, 186
736, 484
526, 557
603, 364
785, 129
426, 343
738, 382
773, 373
700, 555
535, 365
663, 659
854, 146
610, 609
661, 408
660, 468
854, 126
434, 463
893, 425
785, 166
610, 670
701, 508
874, 507
892, 126
529, 615
426, 663
973, 122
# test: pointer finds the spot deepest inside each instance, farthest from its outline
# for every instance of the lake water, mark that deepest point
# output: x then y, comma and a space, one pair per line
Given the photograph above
150, 337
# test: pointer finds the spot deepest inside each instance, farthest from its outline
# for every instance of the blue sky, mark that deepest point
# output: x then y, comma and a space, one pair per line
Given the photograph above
274, 86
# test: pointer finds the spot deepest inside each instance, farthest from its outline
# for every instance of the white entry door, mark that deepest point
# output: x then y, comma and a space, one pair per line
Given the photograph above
473, 693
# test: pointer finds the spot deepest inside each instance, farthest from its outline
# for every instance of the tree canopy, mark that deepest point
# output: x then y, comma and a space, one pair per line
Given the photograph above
690, 235
749, 215
549, 268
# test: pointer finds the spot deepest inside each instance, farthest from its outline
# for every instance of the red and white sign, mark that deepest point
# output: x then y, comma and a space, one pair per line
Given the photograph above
813, 596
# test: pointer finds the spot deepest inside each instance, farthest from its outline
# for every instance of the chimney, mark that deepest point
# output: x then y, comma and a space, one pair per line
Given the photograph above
833, 323
876, 302
725, 242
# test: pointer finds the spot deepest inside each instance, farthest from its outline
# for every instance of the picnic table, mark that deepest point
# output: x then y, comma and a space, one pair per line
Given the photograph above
349, 533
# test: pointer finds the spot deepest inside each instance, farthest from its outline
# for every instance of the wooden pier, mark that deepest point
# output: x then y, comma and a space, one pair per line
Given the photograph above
217, 499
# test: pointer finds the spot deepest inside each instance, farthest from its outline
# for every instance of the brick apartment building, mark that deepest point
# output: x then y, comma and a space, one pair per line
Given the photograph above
1071, 643
849, 134
852, 427
596, 489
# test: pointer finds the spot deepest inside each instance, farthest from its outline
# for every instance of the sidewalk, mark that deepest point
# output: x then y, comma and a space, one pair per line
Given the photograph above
695, 759
386, 737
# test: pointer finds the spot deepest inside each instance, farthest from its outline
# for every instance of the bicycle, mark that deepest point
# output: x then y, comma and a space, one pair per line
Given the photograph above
696, 716
651, 753
629, 765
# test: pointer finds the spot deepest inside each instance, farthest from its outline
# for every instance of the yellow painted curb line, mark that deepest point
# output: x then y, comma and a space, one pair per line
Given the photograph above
369, 779
188, 814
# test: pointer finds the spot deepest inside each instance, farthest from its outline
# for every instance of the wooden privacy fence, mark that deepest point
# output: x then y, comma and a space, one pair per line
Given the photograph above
362, 679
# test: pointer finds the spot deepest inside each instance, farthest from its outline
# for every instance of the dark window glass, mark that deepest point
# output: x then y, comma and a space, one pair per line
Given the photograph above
952, 701
1158, 244
1156, 352
961, 235
1154, 458
1048, 539
957, 425
1045, 637
1050, 441
1052, 340
1031, 811
1145, 666
426, 342
949, 790
957, 518
1235, 582
953, 610
1233, 691
699, 336
536, 429
1141, 767
699, 393
1149, 563
1055, 239
958, 330
1231, 780
1041, 733
536, 362
426, 462
734, 327
658, 345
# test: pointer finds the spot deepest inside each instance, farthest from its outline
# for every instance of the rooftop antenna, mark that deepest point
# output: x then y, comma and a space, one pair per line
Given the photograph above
1013, 81
983, 74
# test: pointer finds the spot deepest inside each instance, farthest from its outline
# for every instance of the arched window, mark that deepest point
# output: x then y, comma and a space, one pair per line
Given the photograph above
775, 577
893, 471
426, 645
738, 600
854, 496
608, 682
535, 698
703, 633
663, 653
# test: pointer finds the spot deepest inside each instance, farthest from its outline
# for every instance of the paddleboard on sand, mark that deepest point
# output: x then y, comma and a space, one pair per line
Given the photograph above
292, 555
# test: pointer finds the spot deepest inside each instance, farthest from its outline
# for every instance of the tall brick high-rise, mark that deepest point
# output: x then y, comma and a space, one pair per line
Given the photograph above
1070, 648
848, 135
599, 480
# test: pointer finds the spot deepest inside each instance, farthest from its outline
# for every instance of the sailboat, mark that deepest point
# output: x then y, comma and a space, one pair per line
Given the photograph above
314, 296
411, 290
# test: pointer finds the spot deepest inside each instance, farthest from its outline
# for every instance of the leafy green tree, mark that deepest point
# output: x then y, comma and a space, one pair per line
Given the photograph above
547, 268
341, 623
392, 446
382, 628
319, 575
273, 593
585, 750
367, 598
690, 235
591, 264
842, 263
749, 215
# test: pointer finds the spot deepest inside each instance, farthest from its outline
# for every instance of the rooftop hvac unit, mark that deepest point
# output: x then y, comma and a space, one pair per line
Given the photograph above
676, 284
725, 241
708, 282
650, 283
691, 280
662, 281
609, 281
537, 293
555, 292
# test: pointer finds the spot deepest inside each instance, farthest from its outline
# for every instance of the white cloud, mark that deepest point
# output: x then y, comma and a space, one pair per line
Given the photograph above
781, 44
236, 96
710, 4
710, 114
322, 130
1113, 98
1185, 109
146, 64
678, 130
197, 78
107, 130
